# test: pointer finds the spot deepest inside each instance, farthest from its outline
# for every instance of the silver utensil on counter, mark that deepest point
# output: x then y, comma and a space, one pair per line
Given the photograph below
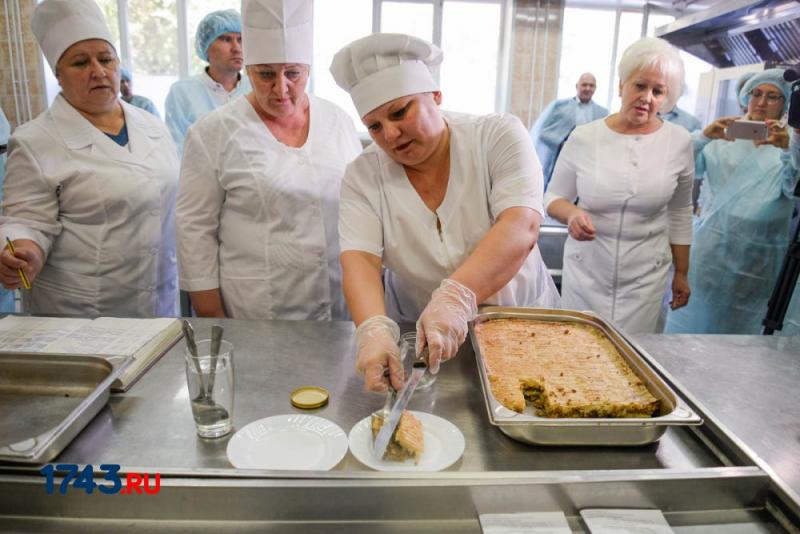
390, 423
188, 333
216, 339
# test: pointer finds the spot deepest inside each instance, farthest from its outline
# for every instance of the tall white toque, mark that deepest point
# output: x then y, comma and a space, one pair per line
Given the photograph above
277, 31
383, 66
59, 24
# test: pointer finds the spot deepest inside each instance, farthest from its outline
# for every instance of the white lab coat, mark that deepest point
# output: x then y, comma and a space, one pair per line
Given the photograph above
637, 189
493, 167
103, 214
257, 218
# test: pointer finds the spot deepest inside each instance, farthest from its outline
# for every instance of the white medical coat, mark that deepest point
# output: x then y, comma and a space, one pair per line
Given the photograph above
103, 214
637, 189
493, 167
257, 218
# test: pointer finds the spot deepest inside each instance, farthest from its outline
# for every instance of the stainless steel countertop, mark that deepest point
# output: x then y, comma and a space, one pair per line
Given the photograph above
699, 478
751, 384
151, 425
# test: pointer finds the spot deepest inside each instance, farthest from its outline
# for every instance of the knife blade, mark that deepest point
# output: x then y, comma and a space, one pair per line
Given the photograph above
390, 423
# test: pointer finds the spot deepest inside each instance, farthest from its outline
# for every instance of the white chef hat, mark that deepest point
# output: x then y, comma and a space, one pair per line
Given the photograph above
277, 31
59, 24
383, 66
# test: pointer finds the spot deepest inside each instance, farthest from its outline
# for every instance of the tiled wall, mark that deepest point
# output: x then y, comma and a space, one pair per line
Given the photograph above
534, 60
33, 62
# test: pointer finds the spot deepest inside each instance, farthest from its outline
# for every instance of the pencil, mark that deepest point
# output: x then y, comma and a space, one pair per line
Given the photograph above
24, 278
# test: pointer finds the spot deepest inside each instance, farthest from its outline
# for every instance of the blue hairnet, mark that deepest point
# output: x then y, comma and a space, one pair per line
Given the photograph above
212, 26
125, 74
772, 77
743, 80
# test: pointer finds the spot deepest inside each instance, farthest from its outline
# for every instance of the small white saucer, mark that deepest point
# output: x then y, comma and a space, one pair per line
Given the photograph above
444, 445
288, 442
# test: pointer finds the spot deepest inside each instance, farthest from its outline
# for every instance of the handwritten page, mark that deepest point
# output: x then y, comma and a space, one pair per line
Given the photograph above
35, 334
105, 336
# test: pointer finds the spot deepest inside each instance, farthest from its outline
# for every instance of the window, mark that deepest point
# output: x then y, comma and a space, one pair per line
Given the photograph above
588, 40
335, 27
471, 45
153, 31
109, 9
470, 36
405, 17
630, 31
156, 41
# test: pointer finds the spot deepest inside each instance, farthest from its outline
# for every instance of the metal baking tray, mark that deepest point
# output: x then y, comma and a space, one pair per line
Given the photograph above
530, 428
46, 400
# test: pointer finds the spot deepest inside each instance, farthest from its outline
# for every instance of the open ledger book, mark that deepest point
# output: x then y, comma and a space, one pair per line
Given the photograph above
145, 340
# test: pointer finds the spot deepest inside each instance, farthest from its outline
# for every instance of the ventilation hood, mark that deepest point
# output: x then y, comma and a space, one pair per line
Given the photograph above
740, 32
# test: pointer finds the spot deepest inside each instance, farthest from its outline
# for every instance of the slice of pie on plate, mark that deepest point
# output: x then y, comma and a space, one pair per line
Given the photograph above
408, 440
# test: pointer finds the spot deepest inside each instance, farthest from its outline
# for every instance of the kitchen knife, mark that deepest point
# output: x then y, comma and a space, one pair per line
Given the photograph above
390, 423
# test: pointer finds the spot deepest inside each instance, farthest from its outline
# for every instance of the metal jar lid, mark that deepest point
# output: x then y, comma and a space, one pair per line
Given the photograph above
309, 397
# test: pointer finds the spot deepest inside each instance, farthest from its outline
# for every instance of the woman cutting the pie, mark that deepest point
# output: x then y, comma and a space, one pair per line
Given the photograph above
449, 204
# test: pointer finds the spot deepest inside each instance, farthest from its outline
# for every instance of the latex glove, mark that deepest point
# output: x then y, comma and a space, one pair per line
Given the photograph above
580, 226
377, 349
443, 323
29, 257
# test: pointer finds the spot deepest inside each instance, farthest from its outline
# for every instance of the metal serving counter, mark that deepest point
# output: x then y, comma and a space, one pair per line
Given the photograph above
702, 479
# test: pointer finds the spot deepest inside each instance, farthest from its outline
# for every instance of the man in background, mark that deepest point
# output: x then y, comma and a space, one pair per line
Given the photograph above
561, 117
218, 41
126, 92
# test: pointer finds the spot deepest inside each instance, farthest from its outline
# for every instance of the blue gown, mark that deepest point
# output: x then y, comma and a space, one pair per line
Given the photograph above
683, 118
145, 103
739, 240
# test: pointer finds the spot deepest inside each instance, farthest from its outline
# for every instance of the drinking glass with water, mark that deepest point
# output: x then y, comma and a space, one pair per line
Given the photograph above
210, 380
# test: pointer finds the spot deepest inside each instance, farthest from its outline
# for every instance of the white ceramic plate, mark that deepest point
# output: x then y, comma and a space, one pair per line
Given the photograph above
291, 441
444, 444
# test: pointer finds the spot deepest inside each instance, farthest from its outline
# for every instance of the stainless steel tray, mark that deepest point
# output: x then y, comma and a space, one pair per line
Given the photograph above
46, 400
530, 428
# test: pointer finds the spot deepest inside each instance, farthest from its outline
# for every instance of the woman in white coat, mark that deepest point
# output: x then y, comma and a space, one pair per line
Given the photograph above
259, 189
90, 184
631, 174
449, 204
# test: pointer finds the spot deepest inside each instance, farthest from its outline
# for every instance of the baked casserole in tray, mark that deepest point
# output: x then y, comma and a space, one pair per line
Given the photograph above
564, 377
565, 370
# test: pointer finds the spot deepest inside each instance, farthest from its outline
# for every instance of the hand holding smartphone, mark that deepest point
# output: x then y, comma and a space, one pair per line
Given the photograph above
744, 129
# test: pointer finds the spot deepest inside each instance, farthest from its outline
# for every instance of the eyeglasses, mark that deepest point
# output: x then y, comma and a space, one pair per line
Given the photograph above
772, 98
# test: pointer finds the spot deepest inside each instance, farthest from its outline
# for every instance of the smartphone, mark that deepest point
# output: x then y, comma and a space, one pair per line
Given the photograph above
744, 129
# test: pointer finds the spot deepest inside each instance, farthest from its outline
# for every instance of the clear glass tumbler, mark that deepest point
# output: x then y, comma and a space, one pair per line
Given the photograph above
210, 382
408, 353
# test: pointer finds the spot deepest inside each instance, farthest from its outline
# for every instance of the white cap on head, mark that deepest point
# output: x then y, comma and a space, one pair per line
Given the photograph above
383, 66
277, 31
59, 24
